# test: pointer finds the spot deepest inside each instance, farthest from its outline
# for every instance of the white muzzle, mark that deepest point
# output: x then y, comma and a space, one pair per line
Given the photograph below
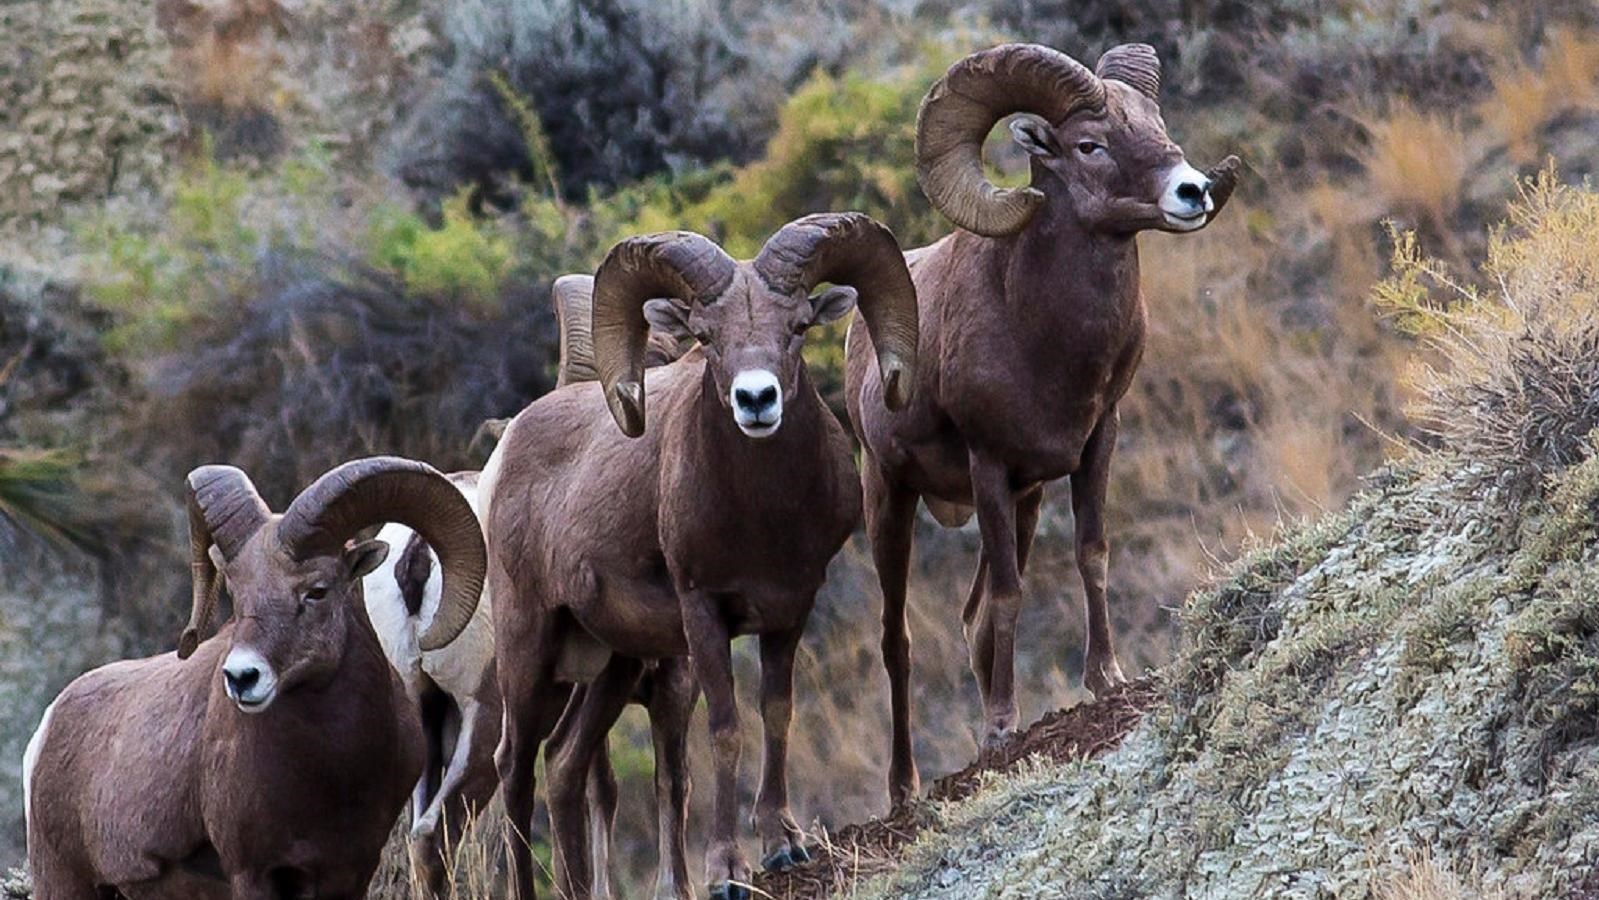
1186, 200
757, 402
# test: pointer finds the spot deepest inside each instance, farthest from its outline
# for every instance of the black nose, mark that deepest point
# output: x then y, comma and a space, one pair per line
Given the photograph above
1191, 193
755, 401
242, 680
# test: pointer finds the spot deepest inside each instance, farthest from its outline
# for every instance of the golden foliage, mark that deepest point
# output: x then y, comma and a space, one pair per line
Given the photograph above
1416, 162
1511, 373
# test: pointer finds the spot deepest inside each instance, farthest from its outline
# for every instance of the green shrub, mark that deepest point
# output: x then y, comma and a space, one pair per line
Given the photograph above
464, 258
157, 276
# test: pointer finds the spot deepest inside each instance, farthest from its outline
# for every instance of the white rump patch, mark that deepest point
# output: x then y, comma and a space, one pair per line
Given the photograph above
30, 761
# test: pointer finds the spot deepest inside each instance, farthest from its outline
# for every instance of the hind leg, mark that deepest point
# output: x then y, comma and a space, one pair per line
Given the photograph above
570, 763
54, 881
671, 702
533, 702
468, 782
603, 795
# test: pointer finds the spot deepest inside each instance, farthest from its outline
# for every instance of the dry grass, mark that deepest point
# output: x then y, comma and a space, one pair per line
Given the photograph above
1417, 162
1511, 377
1527, 98
1523, 102
1425, 878
1572, 67
232, 74
476, 863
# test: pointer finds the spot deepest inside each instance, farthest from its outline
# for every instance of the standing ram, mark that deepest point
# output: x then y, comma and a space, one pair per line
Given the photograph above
456, 691
1032, 326
270, 761
717, 518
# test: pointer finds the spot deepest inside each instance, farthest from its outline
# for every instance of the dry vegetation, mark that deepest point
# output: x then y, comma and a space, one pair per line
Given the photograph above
332, 225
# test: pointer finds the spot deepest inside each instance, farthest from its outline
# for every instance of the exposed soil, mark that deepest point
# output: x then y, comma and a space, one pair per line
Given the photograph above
860, 851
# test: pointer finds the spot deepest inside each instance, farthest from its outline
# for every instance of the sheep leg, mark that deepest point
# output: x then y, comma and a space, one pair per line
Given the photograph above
602, 800
890, 520
671, 706
1027, 510
782, 841
727, 872
993, 648
433, 832
569, 762
1101, 671
54, 879
533, 701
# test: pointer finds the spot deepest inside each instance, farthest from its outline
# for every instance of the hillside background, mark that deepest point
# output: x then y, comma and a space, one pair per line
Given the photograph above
283, 233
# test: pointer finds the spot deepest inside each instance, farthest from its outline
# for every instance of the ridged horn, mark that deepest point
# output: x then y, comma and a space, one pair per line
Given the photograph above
1135, 65
961, 107
856, 250
677, 264
225, 510
367, 492
1223, 178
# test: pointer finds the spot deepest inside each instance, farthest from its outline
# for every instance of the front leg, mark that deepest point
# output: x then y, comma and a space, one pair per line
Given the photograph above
1101, 671
727, 872
992, 631
782, 842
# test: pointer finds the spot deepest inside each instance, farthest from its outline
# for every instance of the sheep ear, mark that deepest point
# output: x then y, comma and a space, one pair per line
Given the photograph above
668, 317
1034, 135
364, 558
832, 304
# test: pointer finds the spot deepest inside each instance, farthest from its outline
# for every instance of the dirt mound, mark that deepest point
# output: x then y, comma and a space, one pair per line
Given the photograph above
1079, 732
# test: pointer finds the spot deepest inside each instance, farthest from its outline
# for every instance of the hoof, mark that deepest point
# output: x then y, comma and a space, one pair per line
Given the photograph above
997, 738
779, 860
729, 890
801, 856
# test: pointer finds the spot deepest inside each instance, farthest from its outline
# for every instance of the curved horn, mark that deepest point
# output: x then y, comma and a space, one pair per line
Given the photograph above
225, 510
962, 106
1135, 65
856, 250
677, 264
368, 492
1223, 178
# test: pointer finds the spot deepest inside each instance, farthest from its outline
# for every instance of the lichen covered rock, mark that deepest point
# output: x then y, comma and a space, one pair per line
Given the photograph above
1417, 677
86, 111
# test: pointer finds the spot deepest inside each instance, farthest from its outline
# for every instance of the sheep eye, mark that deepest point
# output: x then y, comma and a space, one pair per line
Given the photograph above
1088, 148
316, 594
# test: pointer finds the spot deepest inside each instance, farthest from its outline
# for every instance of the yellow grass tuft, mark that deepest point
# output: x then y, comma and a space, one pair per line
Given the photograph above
1424, 878
1573, 67
1523, 102
1417, 163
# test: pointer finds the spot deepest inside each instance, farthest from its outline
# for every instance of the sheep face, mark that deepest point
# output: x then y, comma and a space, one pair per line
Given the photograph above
752, 336
1115, 169
292, 617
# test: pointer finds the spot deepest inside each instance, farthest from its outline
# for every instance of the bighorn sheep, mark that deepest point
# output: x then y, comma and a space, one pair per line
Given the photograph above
453, 687
1033, 323
719, 519
271, 760
456, 691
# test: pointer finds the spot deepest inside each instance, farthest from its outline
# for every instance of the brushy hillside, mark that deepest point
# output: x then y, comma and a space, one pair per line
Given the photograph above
283, 233
1402, 696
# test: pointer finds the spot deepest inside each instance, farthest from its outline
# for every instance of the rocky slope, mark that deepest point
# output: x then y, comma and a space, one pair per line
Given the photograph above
1415, 677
